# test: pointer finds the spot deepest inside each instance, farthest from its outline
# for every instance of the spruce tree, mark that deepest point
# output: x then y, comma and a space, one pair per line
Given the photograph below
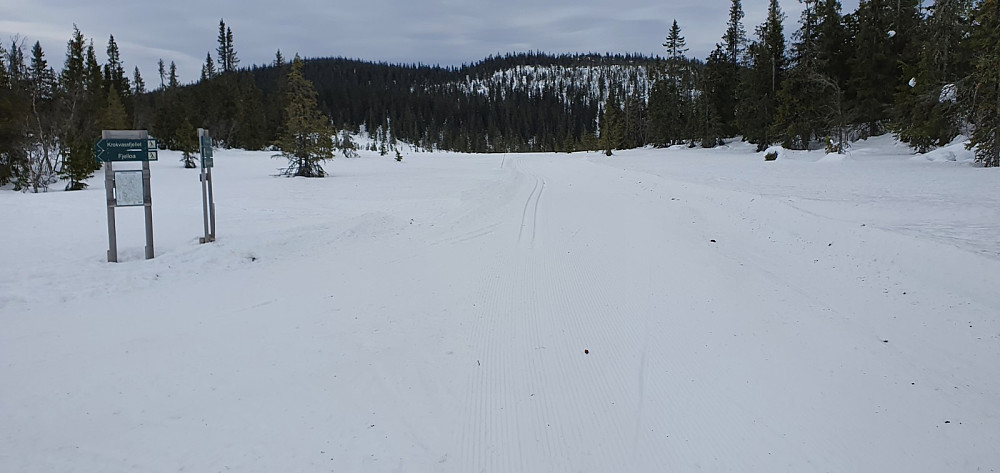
226, 51
138, 111
736, 37
231, 59
612, 126
222, 50
985, 79
676, 47
762, 80
173, 82
114, 71
717, 89
250, 120
113, 116
4, 78
43, 147
810, 100
13, 110
186, 141
208, 69
77, 105
726, 99
306, 138
873, 67
138, 85
926, 111
831, 43
162, 70
668, 97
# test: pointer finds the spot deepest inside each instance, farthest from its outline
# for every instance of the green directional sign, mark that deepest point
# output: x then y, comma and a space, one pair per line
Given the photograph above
111, 150
206, 152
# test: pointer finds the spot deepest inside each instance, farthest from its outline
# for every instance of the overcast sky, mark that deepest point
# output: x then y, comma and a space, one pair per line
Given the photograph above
445, 32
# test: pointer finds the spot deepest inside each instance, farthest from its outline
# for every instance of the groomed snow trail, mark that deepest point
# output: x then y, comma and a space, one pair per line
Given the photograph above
634, 323
562, 313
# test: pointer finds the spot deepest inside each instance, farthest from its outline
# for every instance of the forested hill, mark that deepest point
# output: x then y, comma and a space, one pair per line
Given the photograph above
523, 102
928, 74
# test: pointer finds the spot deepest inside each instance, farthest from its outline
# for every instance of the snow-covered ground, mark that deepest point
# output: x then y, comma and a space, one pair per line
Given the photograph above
658, 310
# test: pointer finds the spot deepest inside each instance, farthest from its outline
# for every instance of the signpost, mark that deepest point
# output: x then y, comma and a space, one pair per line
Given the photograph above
110, 150
126, 188
207, 199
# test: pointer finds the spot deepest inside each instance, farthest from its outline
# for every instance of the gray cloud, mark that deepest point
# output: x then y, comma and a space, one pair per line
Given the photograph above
447, 32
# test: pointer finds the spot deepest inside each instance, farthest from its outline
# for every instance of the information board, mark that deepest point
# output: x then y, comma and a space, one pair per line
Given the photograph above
128, 188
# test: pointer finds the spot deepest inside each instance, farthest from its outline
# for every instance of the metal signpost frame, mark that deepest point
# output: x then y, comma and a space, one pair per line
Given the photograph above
208, 200
123, 146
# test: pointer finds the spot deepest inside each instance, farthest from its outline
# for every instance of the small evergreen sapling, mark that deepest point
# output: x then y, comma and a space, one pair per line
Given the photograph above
187, 140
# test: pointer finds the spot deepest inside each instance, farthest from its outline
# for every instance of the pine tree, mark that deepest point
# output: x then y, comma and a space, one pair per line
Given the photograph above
306, 138
985, 78
761, 82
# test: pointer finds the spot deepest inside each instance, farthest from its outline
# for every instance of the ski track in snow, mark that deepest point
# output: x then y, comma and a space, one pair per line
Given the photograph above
653, 311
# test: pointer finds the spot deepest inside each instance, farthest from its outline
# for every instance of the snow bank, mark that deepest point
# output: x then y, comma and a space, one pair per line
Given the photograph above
542, 312
955, 152
832, 158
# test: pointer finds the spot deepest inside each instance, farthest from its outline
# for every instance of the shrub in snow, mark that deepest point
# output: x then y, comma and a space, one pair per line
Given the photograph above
949, 94
347, 145
834, 147
773, 153
188, 160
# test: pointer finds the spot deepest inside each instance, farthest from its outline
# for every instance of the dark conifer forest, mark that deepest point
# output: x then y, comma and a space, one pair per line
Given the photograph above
925, 72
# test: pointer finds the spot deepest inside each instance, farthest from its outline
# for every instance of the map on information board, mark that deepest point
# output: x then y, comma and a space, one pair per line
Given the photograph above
128, 188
